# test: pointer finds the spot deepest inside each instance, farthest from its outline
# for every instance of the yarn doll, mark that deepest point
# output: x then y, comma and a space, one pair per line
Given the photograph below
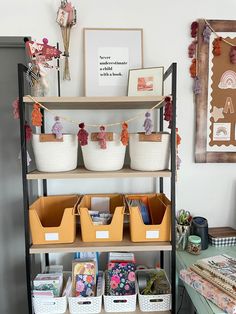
102, 137
57, 128
82, 135
124, 134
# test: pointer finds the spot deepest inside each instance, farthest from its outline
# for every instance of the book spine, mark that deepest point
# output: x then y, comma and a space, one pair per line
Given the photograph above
209, 291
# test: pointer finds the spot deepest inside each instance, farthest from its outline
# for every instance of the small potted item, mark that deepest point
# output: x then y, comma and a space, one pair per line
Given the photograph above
149, 151
102, 151
183, 225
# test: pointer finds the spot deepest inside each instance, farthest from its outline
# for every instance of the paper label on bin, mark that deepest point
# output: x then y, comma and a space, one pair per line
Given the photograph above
51, 236
102, 234
152, 234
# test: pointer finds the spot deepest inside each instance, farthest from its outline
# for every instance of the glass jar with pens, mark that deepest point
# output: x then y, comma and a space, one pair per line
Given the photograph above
183, 224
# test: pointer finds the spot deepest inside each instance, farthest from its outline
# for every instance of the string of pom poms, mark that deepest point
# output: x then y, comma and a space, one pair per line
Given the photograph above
96, 125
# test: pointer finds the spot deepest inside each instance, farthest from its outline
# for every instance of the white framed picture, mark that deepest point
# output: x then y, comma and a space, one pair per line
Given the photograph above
146, 82
109, 54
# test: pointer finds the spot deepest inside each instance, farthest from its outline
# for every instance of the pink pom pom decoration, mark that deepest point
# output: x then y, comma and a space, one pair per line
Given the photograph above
192, 49
16, 108
28, 132
57, 128
102, 138
148, 126
82, 135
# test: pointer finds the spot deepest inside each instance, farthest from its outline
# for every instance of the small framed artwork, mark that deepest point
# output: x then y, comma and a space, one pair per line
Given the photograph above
109, 54
146, 82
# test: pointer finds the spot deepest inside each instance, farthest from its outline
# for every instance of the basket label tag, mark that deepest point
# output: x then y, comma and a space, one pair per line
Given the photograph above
109, 137
155, 137
52, 236
49, 138
152, 234
102, 234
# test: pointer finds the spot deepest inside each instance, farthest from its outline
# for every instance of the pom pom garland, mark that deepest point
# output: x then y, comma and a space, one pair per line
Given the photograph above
36, 115
192, 49
194, 29
57, 128
148, 126
102, 137
82, 135
206, 34
217, 46
193, 68
124, 137
168, 111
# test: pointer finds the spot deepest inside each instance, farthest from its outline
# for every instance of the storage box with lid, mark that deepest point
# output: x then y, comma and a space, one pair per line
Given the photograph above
52, 219
159, 207
100, 233
149, 152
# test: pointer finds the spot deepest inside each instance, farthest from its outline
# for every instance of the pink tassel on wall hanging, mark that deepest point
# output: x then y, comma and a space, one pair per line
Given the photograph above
148, 125
194, 29
57, 128
28, 132
192, 49
102, 137
82, 135
124, 137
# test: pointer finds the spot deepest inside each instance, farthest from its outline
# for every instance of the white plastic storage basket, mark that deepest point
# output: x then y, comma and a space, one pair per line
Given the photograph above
56, 156
154, 303
50, 305
148, 155
109, 159
79, 305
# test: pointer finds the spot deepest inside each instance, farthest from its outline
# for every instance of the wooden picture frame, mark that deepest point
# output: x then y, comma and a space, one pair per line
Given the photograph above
202, 155
109, 54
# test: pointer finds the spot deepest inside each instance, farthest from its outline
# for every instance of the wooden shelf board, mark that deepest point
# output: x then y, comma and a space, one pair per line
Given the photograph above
136, 312
79, 246
122, 102
84, 173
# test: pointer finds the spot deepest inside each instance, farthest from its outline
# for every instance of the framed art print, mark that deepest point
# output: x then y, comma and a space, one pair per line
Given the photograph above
109, 54
146, 82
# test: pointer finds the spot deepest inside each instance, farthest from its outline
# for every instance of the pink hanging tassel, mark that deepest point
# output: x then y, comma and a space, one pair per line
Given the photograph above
28, 132
16, 109
82, 135
192, 49
102, 138
196, 86
148, 126
124, 137
206, 34
57, 128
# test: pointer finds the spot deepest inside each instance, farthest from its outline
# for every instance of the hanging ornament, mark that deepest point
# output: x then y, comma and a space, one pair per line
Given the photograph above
194, 29
57, 128
16, 108
28, 132
192, 49
82, 135
217, 46
148, 126
36, 115
196, 86
178, 138
206, 34
193, 68
232, 55
102, 137
168, 111
124, 137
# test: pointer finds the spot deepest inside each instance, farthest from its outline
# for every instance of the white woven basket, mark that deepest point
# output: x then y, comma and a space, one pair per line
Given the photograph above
109, 159
50, 305
149, 156
153, 303
56, 156
79, 305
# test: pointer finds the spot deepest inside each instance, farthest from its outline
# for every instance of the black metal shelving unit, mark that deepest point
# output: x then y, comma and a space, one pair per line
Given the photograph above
171, 73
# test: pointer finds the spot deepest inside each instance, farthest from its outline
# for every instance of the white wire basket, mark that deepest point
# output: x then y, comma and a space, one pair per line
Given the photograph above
86, 305
154, 303
50, 305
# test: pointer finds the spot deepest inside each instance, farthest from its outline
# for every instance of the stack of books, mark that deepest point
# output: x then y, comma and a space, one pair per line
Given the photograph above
215, 279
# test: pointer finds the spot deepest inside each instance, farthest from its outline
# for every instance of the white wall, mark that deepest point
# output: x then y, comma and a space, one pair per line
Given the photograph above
204, 189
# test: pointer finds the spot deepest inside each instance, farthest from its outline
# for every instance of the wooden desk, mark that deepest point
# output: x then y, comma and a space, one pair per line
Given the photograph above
184, 260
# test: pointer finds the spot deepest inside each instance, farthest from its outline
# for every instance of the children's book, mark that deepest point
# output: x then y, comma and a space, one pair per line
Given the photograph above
219, 270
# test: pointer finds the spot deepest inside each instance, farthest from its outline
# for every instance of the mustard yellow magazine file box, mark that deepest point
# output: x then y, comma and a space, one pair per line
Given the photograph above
52, 219
102, 233
160, 214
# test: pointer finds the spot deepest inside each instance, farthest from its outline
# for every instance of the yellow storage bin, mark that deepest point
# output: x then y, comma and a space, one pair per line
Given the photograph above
52, 219
102, 233
160, 213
